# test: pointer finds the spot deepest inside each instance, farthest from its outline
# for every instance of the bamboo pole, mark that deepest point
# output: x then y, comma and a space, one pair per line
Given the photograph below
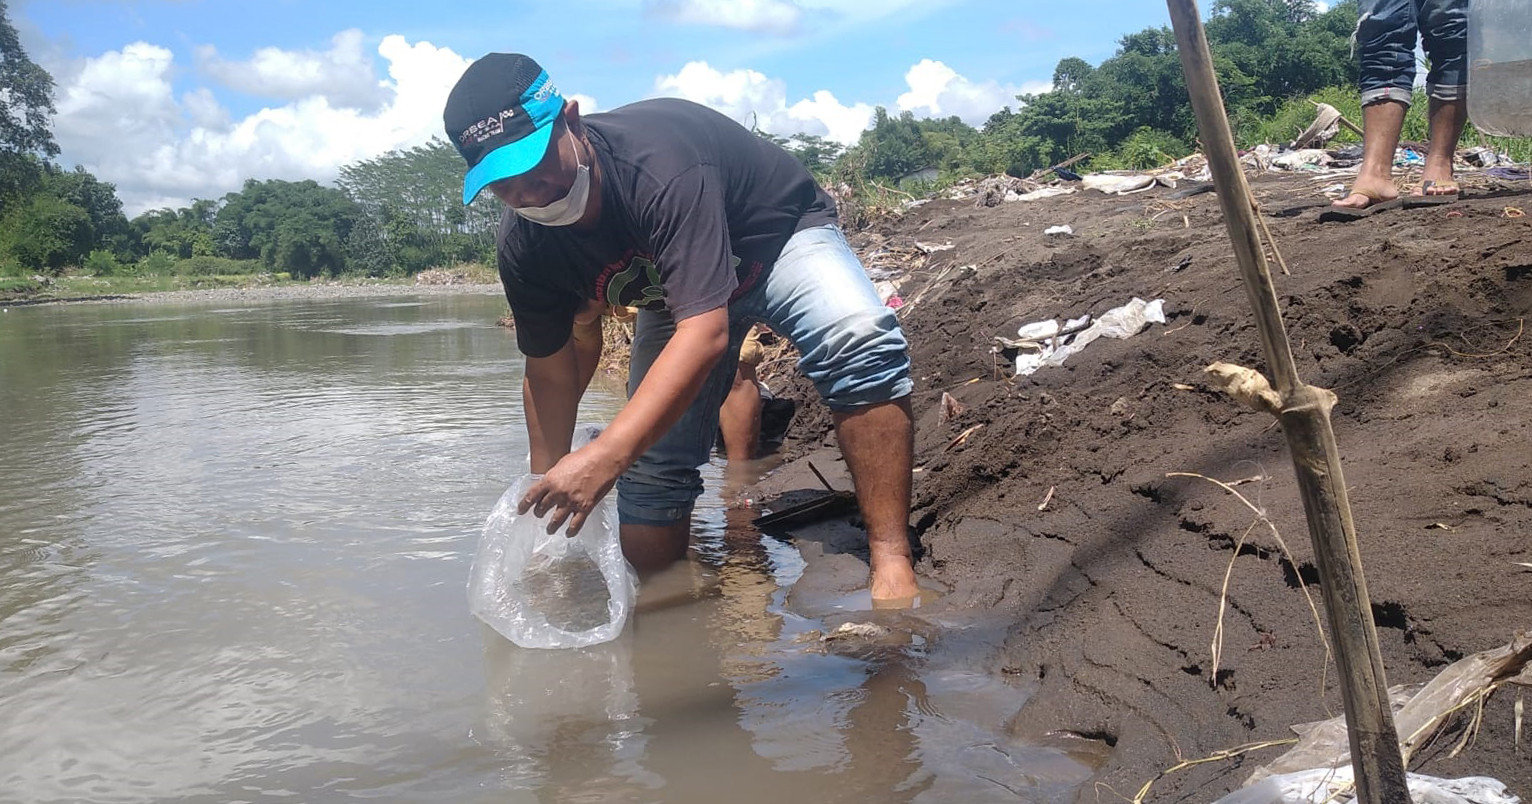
1304, 411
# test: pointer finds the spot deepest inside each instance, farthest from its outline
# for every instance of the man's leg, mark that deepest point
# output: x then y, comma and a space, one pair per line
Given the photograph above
1447, 118
1385, 41
740, 416
878, 442
1382, 122
655, 494
818, 296
1444, 35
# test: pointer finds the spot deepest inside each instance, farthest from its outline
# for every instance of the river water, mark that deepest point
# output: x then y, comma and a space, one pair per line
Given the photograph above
234, 543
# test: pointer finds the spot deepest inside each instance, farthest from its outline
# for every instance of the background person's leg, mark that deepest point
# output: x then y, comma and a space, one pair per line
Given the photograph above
1385, 42
740, 416
1444, 37
739, 420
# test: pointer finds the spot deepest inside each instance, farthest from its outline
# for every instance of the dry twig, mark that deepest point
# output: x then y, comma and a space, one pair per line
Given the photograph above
1286, 553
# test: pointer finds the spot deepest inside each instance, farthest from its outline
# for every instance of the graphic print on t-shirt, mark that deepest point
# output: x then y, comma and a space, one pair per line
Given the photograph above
632, 281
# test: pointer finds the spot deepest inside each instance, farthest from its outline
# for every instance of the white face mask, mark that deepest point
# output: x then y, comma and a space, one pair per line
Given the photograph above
567, 210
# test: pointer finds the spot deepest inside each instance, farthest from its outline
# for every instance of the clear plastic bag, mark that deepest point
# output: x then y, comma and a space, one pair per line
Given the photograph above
551, 591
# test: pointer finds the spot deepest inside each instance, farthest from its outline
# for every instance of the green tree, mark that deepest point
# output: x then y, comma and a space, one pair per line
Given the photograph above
893, 146
815, 152
181, 233
414, 200
46, 233
26, 106
109, 227
297, 227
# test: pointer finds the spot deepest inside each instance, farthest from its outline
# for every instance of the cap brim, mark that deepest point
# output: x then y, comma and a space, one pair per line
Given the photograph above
511, 159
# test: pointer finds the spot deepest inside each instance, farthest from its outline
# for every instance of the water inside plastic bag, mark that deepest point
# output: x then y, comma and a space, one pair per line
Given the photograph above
570, 591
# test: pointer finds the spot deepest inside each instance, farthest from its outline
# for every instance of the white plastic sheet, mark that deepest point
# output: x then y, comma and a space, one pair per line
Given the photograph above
1119, 322
1320, 786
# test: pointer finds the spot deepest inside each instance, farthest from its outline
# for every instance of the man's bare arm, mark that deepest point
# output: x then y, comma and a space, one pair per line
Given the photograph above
550, 395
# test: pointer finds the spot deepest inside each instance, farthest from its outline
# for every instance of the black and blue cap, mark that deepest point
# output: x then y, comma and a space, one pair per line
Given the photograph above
500, 116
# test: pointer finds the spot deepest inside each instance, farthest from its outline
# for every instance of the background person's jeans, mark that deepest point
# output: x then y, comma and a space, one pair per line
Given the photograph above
1385, 36
818, 296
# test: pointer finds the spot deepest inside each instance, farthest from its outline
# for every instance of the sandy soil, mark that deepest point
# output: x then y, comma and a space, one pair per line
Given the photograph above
1414, 317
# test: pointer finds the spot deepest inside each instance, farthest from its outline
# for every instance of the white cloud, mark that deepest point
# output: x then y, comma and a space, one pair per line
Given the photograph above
937, 90
118, 116
753, 99
344, 74
760, 16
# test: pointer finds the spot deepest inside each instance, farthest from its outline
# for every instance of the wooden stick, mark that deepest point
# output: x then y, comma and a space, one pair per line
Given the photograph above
1037, 174
1355, 129
1305, 416
822, 481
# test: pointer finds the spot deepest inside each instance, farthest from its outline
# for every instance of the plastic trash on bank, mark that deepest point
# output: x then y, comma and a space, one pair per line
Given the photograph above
542, 590
1046, 343
1327, 785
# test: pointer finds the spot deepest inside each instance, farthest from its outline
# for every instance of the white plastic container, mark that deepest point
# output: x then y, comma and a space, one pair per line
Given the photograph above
1500, 67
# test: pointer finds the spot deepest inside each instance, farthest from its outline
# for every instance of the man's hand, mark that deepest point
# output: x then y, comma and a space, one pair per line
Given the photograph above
575, 483
571, 489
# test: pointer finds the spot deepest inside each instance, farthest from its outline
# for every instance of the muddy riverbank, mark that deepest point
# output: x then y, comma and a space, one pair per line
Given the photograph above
1048, 499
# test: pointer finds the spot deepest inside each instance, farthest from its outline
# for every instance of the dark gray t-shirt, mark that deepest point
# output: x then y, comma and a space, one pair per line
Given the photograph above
694, 210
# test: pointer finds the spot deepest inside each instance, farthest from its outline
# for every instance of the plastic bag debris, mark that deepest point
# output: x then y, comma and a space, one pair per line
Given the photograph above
551, 591
1327, 121
1326, 785
1046, 192
1119, 185
1297, 160
1417, 715
1045, 343
1064, 229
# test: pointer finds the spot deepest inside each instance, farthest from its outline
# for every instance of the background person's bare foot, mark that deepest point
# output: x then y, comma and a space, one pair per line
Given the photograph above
1436, 183
1367, 192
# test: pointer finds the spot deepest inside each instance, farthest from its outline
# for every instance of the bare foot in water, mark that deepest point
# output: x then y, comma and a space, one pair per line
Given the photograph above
893, 579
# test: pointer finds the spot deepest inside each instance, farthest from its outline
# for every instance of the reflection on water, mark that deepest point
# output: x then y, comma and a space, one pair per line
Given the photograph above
233, 549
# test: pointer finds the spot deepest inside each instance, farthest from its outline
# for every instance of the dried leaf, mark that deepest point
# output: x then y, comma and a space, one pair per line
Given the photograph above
951, 408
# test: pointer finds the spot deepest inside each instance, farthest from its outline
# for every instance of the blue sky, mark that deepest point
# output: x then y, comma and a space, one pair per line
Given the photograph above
175, 99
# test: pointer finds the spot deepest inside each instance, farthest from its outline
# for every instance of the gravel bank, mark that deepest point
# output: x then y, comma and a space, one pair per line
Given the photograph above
277, 293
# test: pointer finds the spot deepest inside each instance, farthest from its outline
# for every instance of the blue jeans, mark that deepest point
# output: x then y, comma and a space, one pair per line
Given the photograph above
818, 296
1385, 39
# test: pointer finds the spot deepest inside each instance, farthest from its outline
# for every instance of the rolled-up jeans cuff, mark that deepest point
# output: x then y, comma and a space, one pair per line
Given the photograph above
629, 513
888, 392
1447, 92
1382, 94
